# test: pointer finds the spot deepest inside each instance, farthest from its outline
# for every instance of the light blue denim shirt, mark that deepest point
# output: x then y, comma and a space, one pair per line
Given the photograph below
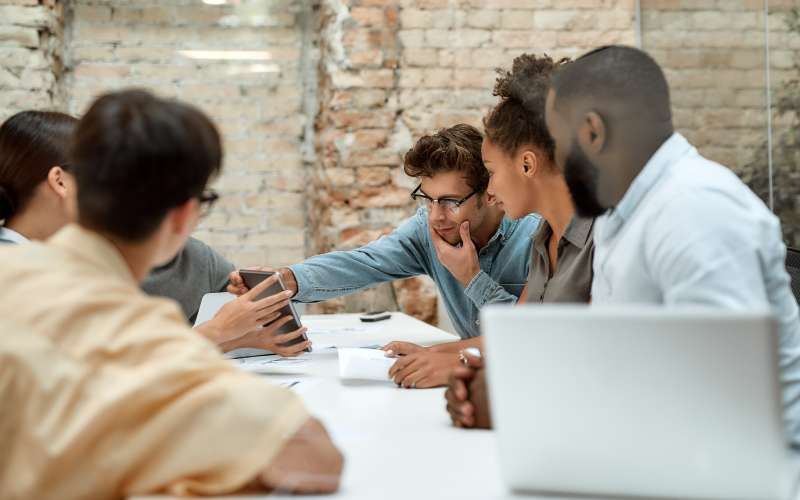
688, 231
408, 251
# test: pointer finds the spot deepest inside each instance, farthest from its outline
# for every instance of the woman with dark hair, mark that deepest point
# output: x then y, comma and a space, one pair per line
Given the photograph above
38, 195
519, 155
518, 152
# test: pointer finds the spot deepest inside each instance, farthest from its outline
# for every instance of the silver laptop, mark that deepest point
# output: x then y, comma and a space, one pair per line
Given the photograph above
645, 402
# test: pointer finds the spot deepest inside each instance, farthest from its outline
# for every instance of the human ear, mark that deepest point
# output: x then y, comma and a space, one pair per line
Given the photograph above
530, 164
593, 133
56, 179
185, 217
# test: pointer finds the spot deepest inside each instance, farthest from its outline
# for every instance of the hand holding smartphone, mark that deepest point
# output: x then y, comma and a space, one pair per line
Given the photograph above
252, 278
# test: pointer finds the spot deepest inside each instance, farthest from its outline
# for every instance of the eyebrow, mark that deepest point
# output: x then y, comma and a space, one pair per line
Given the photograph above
443, 197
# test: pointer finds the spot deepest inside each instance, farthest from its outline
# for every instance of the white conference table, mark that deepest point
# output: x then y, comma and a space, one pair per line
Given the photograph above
397, 443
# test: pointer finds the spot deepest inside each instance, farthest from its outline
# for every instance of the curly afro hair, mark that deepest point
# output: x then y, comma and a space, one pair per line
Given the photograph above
518, 120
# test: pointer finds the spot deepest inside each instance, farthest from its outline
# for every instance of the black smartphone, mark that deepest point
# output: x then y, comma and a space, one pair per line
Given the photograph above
252, 279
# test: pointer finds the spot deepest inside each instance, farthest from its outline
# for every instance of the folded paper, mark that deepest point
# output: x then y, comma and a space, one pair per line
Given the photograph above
367, 364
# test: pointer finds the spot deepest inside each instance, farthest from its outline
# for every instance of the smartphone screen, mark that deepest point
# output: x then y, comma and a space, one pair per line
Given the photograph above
252, 279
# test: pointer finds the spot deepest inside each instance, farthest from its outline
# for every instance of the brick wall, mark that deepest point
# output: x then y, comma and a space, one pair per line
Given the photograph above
394, 70
315, 131
714, 58
178, 48
31, 56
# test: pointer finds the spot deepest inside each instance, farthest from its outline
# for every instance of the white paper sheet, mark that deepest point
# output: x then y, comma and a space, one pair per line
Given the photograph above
256, 363
296, 385
367, 364
332, 348
342, 329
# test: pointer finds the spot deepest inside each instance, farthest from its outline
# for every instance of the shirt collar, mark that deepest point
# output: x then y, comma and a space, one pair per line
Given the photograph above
93, 248
12, 236
656, 167
576, 233
506, 229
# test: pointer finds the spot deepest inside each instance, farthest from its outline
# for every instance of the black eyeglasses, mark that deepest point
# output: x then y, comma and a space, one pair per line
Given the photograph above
207, 200
449, 206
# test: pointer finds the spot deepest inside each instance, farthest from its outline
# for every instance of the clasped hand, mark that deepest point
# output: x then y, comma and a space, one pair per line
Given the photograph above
466, 395
461, 262
418, 366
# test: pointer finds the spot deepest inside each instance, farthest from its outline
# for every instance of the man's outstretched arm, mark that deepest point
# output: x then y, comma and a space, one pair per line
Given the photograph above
396, 256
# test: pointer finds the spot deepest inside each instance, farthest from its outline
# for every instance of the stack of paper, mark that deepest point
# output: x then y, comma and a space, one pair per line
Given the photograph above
368, 364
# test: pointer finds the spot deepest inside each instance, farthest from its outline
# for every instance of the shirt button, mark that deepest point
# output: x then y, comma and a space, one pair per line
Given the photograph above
478, 322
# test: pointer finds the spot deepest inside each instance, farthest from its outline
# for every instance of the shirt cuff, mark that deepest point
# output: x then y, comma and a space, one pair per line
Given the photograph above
481, 289
305, 285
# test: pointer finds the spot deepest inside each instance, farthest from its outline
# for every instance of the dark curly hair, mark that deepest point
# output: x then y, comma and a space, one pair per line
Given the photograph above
519, 118
456, 148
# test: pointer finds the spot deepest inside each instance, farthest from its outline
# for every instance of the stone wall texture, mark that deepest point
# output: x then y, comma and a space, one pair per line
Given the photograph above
242, 65
392, 71
713, 54
318, 100
32, 45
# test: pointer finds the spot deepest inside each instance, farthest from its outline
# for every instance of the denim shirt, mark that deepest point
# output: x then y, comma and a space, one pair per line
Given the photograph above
409, 251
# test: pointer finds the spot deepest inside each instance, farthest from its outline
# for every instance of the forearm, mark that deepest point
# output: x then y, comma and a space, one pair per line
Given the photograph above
483, 290
210, 330
456, 347
289, 281
337, 274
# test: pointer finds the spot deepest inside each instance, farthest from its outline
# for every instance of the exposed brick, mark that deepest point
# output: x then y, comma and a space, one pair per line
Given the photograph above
355, 118
166, 72
94, 53
145, 15
421, 57
369, 38
14, 57
360, 236
368, 16
101, 33
209, 91
483, 19
101, 71
274, 164
516, 20
92, 14
145, 53
39, 16
373, 176
369, 138
164, 35
275, 201
23, 37
366, 57
199, 15
379, 197
371, 157
277, 240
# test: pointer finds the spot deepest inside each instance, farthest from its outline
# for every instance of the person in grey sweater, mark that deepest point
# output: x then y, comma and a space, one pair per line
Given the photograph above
195, 271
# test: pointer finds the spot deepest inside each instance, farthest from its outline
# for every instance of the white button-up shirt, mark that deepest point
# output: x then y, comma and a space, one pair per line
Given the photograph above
688, 231
9, 236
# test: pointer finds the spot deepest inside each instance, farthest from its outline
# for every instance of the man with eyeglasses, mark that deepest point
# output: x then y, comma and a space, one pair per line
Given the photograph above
459, 237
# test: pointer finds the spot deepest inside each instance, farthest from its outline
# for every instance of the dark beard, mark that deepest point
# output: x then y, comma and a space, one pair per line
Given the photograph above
581, 176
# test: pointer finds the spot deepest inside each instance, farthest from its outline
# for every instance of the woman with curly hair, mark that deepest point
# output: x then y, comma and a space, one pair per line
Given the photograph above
518, 153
